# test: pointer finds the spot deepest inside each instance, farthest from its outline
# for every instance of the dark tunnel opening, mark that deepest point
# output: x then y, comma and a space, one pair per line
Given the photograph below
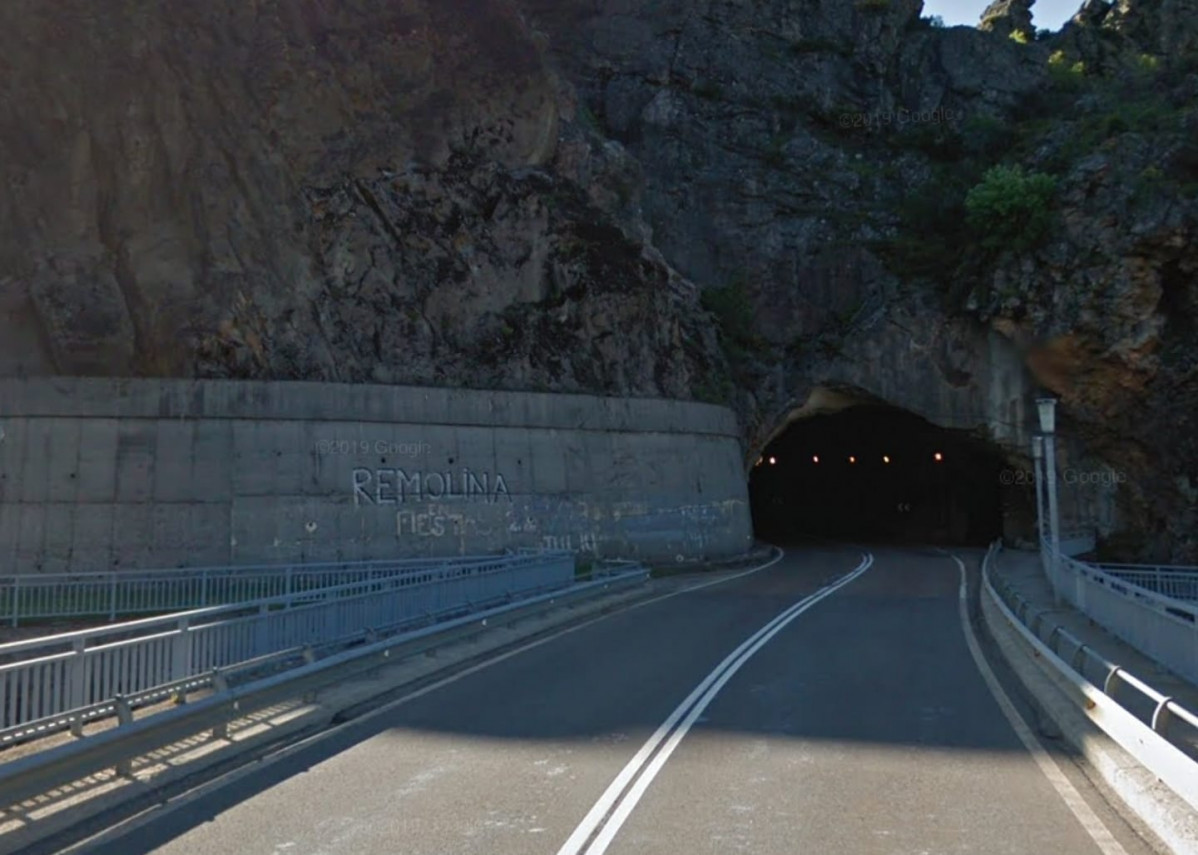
874, 473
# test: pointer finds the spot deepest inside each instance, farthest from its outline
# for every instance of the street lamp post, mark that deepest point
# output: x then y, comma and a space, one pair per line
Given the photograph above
1048, 424
1038, 469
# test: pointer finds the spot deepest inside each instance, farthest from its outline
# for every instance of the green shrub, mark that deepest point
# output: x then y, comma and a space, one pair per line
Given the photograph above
1130, 114
873, 5
1064, 74
1011, 208
1019, 36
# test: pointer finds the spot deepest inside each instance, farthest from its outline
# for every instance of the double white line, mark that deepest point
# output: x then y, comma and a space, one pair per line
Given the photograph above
597, 830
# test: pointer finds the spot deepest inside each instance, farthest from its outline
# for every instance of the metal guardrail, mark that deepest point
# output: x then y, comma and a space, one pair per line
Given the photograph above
31, 776
1178, 583
1167, 718
61, 681
118, 593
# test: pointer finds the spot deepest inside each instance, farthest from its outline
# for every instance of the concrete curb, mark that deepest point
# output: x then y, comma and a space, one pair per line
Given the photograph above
1164, 812
331, 705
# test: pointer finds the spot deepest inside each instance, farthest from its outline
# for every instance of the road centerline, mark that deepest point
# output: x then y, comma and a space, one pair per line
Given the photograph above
601, 824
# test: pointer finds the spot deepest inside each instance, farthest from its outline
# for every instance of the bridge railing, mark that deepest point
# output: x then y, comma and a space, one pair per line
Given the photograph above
65, 680
1105, 686
1160, 626
1176, 582
120, 593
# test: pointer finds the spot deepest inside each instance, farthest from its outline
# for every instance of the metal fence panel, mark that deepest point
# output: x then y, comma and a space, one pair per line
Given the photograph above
45, 677
1161, 627
112, 594
1179, 583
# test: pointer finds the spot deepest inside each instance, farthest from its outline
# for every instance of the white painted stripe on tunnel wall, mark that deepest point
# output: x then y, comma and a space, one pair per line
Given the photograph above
1065, 789
600, 826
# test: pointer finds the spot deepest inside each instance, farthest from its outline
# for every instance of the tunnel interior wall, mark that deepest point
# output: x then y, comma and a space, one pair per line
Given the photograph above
101, 474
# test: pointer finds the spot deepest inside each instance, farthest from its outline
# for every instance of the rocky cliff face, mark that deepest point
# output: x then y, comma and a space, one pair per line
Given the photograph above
347, 191
714, 199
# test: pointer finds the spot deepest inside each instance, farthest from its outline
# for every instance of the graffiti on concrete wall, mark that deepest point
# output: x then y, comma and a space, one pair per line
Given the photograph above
397, 486
554, 522
585, 542
435, 520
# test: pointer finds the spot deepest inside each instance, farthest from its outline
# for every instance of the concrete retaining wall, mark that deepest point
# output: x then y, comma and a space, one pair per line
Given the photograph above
102, 473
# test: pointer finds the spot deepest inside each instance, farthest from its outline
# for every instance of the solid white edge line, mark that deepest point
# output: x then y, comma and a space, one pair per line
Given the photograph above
166, 808
1064, 787
629, 802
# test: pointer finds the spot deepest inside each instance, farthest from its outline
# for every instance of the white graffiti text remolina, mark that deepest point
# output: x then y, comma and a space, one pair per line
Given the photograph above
396, 486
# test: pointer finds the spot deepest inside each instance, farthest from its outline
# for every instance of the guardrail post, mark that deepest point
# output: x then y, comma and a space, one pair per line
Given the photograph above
204, 589
124, 714
1079, 659
112, 597
181, 650
1111, 682
75, 678
1052, 639
1161, 716
221, 685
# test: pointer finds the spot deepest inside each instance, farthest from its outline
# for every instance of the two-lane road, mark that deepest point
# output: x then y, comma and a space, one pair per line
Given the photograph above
743, 716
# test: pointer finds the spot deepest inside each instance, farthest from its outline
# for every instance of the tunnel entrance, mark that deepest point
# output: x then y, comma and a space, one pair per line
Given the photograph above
875, 473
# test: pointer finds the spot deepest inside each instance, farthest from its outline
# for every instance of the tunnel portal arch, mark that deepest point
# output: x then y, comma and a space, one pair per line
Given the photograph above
847, 464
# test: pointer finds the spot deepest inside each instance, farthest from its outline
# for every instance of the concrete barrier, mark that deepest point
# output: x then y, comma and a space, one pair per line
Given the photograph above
1151, 776
99, 474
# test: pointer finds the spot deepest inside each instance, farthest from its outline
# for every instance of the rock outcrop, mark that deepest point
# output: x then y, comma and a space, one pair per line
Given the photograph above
318, 190
694, 199
1009, 18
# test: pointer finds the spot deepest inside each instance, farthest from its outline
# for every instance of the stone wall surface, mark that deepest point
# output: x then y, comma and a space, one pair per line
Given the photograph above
97, 474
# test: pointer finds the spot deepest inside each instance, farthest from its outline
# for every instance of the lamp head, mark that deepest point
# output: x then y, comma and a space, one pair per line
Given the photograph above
1047, 408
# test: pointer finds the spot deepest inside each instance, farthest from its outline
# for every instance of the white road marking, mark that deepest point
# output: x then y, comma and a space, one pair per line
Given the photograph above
1065, 789
702, 585
600, 826
170, 806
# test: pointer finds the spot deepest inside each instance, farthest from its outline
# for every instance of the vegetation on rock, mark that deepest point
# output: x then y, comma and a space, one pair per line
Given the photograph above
1010, 208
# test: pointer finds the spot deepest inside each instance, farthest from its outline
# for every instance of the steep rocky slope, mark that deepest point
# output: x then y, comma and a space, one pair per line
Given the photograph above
814, 160
686, 198
351, 190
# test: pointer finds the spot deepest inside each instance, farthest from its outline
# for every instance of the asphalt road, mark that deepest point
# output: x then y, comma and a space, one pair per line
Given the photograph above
864, 725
